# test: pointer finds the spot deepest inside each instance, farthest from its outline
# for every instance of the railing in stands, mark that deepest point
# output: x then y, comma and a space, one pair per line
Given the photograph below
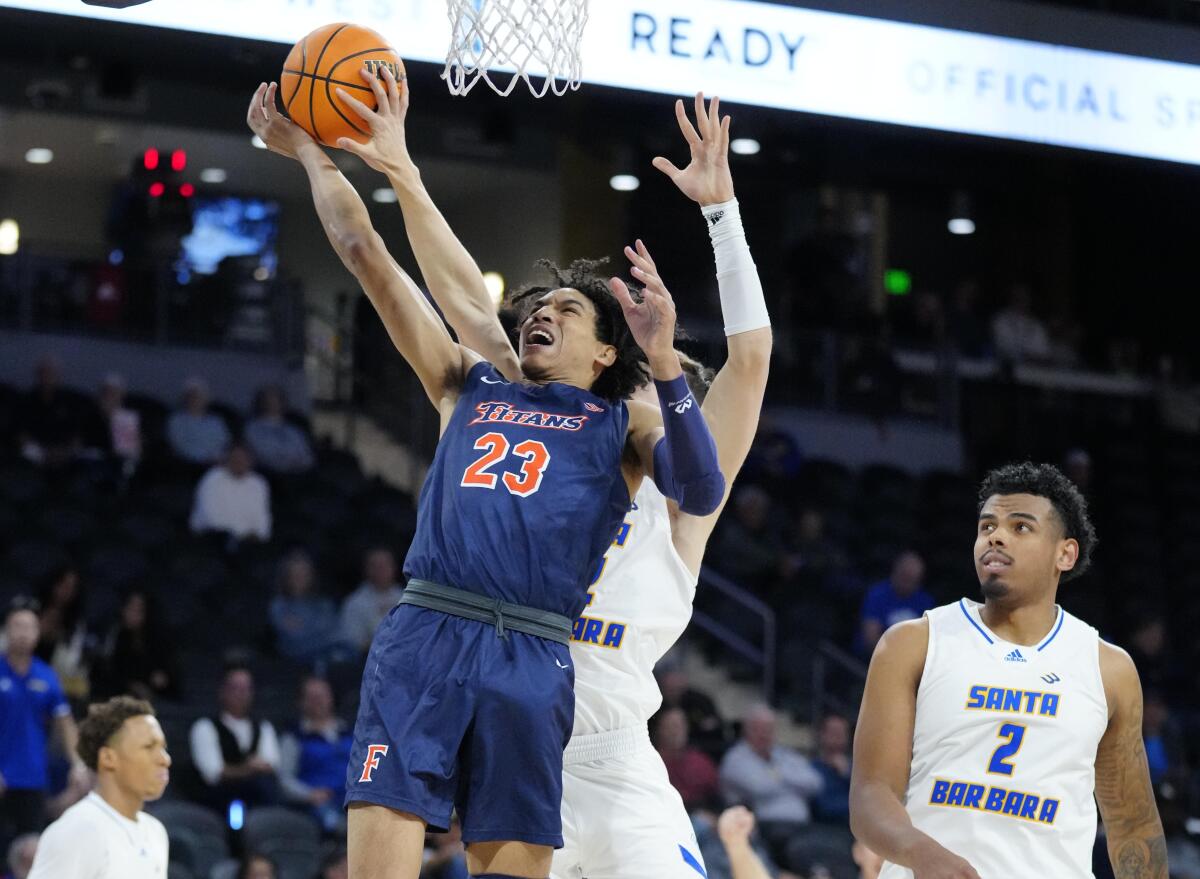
761, 655
830, 660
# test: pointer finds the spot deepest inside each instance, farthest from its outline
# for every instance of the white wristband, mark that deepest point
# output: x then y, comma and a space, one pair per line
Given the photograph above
743, 306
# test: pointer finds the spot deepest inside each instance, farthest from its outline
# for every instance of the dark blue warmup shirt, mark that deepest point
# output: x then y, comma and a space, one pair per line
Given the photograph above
525, 494
27, 706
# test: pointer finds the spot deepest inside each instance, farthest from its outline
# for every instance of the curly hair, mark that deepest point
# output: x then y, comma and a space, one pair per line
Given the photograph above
699, 377
630, 370
1046, 480
103, 721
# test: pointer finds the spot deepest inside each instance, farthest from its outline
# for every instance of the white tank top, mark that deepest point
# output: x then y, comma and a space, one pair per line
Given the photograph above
1004, 746
641, 603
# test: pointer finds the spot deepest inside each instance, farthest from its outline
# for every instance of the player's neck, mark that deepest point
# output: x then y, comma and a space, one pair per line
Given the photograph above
19, 662
125, 803
1024, 625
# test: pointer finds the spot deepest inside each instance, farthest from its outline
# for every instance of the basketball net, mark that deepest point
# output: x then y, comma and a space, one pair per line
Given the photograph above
526, 39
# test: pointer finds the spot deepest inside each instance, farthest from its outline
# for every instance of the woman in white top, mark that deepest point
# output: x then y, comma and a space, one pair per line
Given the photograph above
106, 835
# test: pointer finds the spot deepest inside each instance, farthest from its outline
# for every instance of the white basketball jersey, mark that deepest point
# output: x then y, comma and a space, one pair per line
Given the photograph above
641, 603
1004, 746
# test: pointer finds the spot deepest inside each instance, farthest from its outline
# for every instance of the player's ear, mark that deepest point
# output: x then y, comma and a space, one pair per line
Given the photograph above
1068, 555
106, 758
607, 356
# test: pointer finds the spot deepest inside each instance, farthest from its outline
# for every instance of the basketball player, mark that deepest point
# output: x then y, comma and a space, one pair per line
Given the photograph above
467, 695
621, 816
986, 729
106, 835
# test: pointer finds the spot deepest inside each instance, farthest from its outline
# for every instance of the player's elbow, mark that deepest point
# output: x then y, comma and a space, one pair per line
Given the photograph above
702, 497
359, 250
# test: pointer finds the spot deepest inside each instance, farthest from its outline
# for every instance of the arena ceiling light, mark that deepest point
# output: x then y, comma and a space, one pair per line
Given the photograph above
962, 220
384, 195
39, 156
961, 226
213, 175
745, 146
257, 143
624, 182
494, 281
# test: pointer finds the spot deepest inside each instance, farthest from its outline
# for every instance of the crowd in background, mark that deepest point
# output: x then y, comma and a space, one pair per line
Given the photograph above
774, 540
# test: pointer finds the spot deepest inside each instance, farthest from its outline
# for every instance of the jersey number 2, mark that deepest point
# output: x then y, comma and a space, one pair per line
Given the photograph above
1015, 733
495, 447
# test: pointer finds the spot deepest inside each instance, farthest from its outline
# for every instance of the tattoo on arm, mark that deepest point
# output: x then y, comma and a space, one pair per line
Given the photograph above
1136, 844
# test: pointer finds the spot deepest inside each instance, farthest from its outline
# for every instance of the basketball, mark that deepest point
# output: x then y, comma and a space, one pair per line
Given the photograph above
328, 58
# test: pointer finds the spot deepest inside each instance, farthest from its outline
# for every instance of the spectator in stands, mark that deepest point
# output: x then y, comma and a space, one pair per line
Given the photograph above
365, 607
20, 856
314, 755
1165, 750
233, 499
281, 446
1017, 334
137, 657
63, 640
1183, 852
869, 863
115, 431
900, 597
775, 782
822, 563
235, 752
706, 728
445, 857
256, 866
965, 327
195, 434
1157, 667
1077, 464
750, 546
305, 623
31, 701
832, 806
732, 850
50, 421
691, 771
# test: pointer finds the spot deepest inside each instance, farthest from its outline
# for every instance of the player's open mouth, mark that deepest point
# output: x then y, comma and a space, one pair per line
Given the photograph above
538, 338
994, 561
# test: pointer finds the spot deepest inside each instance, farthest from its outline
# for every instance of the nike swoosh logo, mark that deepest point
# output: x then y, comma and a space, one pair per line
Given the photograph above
559, 664
492, 381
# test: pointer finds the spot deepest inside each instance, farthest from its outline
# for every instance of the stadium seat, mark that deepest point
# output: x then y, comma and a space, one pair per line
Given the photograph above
206, 831
294, 858
275, 824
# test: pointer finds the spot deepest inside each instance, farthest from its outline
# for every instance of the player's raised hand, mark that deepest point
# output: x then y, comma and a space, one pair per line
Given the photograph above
735, 826
279, 133
388, 146
706, 179
937, 862
651, 321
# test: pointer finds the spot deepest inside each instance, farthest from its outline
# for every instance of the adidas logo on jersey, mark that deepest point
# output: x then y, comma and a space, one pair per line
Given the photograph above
1015, 656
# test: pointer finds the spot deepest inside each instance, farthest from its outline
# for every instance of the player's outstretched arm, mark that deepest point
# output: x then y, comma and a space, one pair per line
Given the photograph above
734, 401
883, 755
1136, 844
452, 275
414, 327
673, 444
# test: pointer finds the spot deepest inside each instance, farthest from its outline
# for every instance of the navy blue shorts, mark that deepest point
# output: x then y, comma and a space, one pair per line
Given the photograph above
453, 716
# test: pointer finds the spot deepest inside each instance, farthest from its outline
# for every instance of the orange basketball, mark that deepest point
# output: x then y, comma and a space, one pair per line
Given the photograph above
328, 58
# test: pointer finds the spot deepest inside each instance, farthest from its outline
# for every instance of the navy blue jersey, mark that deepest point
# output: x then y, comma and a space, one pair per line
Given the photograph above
525, 494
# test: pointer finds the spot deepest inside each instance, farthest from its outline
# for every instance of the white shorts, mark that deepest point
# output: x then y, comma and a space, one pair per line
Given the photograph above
621, 817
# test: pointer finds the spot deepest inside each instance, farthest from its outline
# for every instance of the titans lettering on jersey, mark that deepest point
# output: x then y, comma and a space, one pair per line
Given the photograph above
997, 799
498, 410
595, 631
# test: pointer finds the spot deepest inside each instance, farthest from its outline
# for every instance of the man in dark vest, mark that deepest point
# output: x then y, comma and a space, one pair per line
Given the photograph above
312, 769
236, 753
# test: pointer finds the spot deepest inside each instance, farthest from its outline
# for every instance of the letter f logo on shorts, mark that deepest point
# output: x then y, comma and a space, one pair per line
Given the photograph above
374, 754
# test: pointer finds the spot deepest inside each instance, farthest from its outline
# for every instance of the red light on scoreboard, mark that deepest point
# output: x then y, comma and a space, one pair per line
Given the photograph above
187, 190
178, 160
150, 159
157, 189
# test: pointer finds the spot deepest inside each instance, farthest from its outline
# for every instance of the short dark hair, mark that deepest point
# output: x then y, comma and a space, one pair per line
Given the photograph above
103, 721
20, 603
1046, 480
630, 370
